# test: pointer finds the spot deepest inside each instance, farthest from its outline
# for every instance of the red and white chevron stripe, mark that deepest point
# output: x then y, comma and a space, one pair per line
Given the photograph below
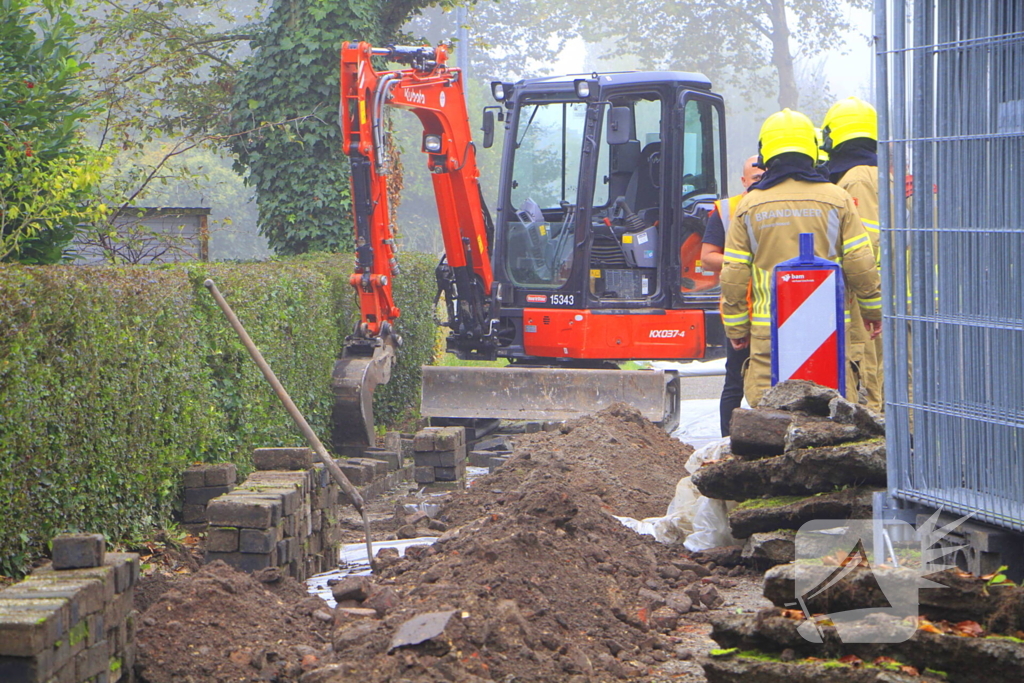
808, 328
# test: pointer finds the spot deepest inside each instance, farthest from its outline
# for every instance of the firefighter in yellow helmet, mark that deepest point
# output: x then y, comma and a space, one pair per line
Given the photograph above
792, 197
849, 136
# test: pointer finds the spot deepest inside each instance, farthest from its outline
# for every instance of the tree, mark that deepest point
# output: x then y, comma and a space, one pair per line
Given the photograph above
163, 77
731, 41
731, 38
300, 172
48, 174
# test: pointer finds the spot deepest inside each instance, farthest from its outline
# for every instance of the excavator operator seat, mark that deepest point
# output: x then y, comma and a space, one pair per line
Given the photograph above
624, 160
644, 189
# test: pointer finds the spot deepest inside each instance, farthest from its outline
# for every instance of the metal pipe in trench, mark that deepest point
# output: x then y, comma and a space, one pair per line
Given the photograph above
300, 422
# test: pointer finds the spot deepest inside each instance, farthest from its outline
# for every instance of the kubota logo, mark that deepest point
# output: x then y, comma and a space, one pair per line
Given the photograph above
666, 334
415, 96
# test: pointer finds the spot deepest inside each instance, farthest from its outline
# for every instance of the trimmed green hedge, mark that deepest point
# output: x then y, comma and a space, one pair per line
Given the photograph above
114, 379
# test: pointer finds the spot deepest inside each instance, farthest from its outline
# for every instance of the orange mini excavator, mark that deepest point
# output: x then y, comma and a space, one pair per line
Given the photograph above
592, 258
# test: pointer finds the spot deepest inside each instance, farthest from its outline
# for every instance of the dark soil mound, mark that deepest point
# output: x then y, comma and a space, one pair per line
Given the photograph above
632, 465
223, 625
543, 584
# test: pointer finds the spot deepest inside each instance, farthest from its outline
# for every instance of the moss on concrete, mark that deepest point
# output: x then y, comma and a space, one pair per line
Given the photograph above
777, 501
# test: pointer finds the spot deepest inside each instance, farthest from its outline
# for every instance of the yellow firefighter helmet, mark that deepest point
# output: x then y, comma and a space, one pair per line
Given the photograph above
787, 131
848, 119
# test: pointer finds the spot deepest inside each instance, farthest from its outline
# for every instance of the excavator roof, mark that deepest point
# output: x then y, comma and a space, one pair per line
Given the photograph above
686, 78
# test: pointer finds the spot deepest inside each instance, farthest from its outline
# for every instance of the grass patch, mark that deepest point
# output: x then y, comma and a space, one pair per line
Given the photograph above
777, 501
449, 360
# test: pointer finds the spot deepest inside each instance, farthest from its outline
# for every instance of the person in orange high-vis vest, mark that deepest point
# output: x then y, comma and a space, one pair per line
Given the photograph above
711, 253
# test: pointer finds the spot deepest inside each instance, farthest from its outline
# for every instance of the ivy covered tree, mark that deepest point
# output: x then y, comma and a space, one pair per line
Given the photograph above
299, 170
47, 173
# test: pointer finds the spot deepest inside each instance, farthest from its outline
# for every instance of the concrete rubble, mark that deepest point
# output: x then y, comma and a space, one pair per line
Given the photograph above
804, 453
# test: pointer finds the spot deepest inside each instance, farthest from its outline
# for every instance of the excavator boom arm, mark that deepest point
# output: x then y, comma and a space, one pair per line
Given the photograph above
435, 94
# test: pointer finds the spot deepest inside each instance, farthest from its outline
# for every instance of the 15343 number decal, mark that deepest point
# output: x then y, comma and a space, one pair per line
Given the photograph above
562, 299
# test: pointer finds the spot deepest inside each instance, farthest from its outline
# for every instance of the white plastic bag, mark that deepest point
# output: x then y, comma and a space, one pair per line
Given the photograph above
697, 522
710, 518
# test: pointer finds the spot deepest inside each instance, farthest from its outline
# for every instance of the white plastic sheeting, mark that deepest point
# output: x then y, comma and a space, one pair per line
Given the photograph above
695, 521
708, 368
355, 562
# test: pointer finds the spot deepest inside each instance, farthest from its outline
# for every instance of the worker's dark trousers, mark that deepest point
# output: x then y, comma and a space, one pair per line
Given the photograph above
732, 392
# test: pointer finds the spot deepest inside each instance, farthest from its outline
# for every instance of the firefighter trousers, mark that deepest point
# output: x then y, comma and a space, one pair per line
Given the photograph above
757, 374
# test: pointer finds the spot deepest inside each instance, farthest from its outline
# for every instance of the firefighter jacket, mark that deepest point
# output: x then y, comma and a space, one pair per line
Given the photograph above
862, 184
765, 231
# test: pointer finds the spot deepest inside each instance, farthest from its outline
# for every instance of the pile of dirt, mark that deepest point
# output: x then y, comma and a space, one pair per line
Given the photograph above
544, 583
222, 625
541, 583
630, 464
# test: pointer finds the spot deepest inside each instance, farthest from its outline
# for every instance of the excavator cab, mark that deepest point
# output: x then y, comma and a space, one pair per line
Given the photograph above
606, 184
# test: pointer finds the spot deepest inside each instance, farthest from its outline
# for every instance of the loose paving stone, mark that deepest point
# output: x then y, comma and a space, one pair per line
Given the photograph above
75, 551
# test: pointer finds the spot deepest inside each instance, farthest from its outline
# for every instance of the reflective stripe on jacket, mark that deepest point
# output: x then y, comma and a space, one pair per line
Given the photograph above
765, 231
727, 209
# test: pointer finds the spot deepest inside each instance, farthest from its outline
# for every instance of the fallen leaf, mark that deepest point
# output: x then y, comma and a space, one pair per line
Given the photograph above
852, 660
881, 661
969, 628
793, 614
927, 626
909, 670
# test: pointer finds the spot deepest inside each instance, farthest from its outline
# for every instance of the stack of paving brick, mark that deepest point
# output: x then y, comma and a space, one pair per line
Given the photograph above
439, 455
287, 513
267, 521
72, 620
203, 483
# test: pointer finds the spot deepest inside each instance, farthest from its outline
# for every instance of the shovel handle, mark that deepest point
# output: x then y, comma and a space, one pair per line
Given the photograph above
300, 422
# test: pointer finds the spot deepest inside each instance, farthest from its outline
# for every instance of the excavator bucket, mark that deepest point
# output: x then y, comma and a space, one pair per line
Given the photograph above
529, 393
354, 378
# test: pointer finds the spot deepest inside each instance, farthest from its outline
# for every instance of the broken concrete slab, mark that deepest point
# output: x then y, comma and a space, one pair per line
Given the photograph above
817, 432
421, 628
802, 472
748, 669
762, 432
799, 396
843, 411
792, 512
770, 548
759, 433
959, 598
960, 658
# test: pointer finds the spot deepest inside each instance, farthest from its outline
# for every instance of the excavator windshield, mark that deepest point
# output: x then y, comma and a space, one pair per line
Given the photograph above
545, 178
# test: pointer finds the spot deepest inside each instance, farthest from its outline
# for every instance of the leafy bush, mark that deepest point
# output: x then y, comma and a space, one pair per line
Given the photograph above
46, 172
114, 379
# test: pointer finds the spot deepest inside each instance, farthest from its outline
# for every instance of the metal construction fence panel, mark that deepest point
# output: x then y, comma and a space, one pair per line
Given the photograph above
950, 94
